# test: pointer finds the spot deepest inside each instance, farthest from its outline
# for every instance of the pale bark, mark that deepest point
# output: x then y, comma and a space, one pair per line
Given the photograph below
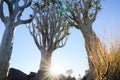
92, 44
11, 22
6, 50
89, 36
45, 60
82, 14
50, 31
45, 65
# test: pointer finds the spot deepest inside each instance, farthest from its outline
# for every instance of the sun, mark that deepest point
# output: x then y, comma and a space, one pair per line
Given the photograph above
56, 69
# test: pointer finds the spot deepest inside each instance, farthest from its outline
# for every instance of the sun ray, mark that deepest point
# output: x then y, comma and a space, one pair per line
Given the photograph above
56, 69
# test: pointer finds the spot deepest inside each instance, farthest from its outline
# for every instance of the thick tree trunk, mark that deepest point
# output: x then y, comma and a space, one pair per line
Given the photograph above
45, 62
45, 65
90, 40
6, 51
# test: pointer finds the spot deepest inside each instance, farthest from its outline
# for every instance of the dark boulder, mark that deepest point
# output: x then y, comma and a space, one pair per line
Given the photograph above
15, 74
36, 76
33, 76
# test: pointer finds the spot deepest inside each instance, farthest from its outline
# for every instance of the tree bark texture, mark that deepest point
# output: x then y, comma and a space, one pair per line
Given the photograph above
92, 44
6, 50
45, 61
11, 21
45, 65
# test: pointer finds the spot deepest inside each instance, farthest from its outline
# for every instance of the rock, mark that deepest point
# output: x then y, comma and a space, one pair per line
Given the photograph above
32, 76
15, 74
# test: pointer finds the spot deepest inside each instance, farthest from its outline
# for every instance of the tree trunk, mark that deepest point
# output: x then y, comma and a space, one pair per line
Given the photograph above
45, 62
45, 65
6, 51
90, 38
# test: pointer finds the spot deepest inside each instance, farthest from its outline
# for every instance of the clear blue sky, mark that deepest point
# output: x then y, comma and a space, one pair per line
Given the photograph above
26, 56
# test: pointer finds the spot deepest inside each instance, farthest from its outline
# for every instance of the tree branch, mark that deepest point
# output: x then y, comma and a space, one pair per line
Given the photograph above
19, 21
23, 21
34, 34
2, 16
27, 3
62, 44
51, 27
10, 6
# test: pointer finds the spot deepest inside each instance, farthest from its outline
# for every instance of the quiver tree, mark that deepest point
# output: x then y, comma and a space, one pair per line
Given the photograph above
11, 22
82, 14
49, 31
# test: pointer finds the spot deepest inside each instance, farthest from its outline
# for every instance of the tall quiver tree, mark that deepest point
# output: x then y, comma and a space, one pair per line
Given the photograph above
11, 22
82, 14
49, 31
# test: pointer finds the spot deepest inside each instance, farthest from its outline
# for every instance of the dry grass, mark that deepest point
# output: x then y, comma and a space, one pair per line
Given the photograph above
106, 62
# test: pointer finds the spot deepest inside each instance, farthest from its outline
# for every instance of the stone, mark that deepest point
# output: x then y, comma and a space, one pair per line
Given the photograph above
15, 74
32, 76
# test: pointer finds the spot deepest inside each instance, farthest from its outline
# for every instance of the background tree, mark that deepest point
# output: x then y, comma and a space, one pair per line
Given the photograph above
49, 31
11, 22
82, 14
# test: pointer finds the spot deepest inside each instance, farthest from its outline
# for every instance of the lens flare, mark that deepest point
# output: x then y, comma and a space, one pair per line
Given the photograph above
56, 69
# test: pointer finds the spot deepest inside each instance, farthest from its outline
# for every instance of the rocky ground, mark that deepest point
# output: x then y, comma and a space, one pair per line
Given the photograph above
15, 74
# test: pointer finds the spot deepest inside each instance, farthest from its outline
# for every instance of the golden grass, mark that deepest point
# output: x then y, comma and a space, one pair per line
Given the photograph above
106, 62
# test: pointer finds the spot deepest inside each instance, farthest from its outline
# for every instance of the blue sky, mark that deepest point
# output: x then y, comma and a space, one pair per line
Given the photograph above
26, 56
